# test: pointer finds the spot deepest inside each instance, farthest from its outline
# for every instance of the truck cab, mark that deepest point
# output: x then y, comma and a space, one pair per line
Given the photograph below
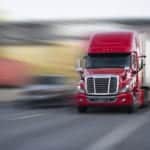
111, 72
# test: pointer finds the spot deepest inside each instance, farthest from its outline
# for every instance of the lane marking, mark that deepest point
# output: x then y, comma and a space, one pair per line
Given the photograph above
17, 114
120, 133
27, 116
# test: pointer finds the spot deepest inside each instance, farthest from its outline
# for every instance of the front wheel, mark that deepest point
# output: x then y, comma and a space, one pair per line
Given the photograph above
134, 107
82, 109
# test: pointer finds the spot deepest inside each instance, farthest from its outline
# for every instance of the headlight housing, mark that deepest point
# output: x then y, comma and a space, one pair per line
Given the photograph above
125, 89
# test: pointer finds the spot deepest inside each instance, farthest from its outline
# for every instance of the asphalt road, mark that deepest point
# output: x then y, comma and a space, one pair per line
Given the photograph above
63, 128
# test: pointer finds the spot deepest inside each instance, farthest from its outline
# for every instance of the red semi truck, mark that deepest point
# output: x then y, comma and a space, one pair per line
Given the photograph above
112, 72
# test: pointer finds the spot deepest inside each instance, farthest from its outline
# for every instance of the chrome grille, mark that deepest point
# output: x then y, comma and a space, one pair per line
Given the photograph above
90, 86
101, 85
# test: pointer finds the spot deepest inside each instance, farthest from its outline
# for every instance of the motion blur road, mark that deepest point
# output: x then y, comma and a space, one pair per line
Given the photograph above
63, 128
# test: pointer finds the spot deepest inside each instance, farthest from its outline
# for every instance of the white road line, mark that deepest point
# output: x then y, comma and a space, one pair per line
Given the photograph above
18, 114
120, 133
27, 116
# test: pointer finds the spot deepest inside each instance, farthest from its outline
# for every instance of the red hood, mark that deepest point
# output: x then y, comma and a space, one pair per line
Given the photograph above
114, 71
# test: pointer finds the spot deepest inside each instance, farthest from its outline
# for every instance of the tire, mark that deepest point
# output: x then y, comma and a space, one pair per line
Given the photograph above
82, 109
133, 108
144, 105
146, 97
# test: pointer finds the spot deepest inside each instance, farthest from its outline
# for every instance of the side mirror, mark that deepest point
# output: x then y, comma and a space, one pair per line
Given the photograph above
142, 65
79, 68
134, 63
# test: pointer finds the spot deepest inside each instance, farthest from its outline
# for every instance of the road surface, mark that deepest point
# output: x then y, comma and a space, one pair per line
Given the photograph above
63, 128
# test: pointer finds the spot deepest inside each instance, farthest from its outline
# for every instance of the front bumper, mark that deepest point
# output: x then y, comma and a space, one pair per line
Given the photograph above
123, 99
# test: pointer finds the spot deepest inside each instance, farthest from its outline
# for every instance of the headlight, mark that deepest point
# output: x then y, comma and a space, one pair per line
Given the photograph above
125, 89
128, 87
80, 89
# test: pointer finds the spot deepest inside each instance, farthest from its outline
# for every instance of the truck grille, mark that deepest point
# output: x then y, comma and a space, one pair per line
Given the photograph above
101, 85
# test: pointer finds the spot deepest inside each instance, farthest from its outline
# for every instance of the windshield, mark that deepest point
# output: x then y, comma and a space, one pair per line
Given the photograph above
108, 61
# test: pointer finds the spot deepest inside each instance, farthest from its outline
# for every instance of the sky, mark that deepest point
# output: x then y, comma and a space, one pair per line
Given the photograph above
73, 9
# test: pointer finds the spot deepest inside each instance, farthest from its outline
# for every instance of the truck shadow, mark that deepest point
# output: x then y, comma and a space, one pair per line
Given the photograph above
113, 110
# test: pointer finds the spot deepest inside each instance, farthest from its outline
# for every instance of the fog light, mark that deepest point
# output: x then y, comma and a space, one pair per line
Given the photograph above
124, 99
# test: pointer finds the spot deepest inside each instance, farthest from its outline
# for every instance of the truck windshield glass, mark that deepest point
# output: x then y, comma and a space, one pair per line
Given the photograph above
108, 61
